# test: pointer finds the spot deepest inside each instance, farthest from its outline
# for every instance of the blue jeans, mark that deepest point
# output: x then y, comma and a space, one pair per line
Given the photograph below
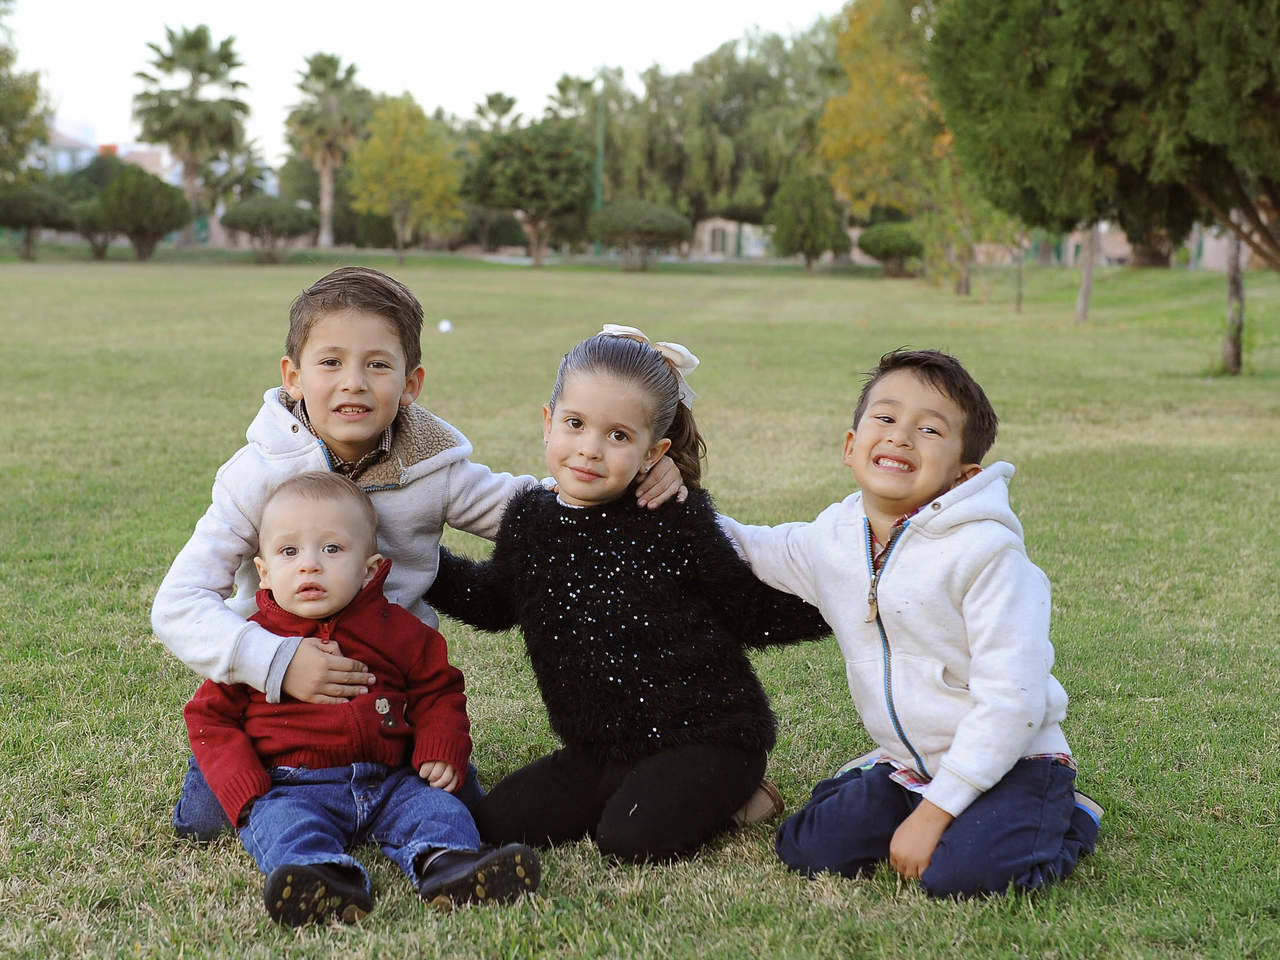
313, 816
1025, 831
198, 816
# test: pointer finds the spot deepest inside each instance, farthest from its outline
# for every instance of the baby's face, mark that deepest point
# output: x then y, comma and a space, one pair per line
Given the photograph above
314, 554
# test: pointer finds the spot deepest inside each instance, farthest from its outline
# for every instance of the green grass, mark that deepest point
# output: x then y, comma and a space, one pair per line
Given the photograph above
1145, 482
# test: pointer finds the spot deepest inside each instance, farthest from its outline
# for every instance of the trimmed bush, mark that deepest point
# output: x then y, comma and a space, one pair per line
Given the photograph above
30, 208
91, 225
636, 227
270, 223
893, 244
144, 208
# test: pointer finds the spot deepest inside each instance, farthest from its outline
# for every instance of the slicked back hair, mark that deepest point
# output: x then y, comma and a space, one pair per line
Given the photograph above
321, 486
644, 366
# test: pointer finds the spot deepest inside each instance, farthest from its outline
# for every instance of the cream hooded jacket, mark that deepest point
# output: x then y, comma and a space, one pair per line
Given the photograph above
950, 668
425, 482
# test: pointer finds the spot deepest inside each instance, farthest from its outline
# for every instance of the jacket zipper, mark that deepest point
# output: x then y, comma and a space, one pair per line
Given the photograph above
873, 613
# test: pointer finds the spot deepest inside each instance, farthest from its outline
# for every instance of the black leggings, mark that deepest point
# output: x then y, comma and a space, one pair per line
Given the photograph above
664, 805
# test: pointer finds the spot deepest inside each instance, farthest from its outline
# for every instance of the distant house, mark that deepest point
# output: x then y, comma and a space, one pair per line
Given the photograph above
62, 154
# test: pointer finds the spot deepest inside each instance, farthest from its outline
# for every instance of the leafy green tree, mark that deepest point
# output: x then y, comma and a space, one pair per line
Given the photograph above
24, 114
234, 177
144, 208
192, 118
893, 244
637, 228
92, 225
270, 223
806, 219
1142, 113
406, 170
90, 180
543, 170
327, 125
30, 208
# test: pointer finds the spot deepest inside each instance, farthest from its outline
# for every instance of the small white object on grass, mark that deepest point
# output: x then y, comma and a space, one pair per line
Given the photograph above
444, 326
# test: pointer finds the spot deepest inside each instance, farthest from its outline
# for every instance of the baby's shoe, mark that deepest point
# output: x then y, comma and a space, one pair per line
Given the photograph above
1089, 806
761, 807
488, 875
308, 893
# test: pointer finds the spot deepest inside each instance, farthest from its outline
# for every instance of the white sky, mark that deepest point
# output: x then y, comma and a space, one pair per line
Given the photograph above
445, 54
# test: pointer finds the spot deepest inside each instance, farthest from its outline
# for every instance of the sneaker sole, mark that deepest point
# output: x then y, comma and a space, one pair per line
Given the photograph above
764, 805
499, 878
297, 896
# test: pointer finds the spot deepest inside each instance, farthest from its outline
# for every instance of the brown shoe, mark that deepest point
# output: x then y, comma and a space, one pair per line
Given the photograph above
761, 807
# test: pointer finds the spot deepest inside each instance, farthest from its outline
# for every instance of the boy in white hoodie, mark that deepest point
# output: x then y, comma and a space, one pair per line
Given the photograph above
943, 623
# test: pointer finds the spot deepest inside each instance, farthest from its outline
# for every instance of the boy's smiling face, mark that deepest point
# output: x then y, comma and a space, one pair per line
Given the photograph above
907, 447
351, 373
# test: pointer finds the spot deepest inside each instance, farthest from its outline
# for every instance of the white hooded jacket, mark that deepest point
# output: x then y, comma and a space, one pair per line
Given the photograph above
950, 668
425, 482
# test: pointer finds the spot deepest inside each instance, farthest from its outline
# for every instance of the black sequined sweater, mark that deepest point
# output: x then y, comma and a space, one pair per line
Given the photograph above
635, 621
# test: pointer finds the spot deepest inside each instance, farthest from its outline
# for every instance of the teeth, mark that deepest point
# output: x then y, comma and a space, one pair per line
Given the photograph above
892, 464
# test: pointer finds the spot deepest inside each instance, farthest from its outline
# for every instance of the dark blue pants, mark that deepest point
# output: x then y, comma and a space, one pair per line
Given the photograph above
313, 816
1025, 831
198, 816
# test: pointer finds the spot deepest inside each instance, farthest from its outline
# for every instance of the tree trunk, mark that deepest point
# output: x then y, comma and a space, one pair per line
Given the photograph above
29, 243
187, 236
537, 248
1086, 274
1017, 302
962, 280
1231, 343
808, 264
325, 168
1155, 249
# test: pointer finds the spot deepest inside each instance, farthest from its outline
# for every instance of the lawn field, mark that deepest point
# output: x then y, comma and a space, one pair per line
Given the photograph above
1146, 484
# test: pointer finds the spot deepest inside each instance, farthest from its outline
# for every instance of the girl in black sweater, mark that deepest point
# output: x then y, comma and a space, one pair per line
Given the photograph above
635, 621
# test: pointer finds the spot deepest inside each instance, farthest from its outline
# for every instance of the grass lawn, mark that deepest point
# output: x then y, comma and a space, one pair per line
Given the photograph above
1142, 482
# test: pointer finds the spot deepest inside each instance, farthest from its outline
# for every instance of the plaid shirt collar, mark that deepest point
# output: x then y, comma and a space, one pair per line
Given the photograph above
348, 468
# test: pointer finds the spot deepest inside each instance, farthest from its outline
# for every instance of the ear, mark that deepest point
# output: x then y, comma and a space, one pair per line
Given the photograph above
413, 385
655, 453
370, 568
264, 579
967, 472
546, 423
291, 378
847, 457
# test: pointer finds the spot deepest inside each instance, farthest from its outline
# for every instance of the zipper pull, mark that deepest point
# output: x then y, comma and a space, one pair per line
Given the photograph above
873, 605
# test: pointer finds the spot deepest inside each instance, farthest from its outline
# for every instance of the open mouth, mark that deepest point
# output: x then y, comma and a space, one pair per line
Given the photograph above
889, 463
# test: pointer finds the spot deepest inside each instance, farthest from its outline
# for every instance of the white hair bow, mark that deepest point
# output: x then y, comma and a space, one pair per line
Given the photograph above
677, 355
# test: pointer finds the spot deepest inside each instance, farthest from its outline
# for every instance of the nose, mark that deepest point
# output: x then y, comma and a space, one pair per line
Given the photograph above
589, 446
309, 561
899, 435
353, 378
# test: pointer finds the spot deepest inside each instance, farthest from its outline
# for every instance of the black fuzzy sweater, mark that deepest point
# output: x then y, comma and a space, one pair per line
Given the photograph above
635, 621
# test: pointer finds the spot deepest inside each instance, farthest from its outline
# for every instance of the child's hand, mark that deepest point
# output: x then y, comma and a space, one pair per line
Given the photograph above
440, 774
916, 838
660, 483
319, 673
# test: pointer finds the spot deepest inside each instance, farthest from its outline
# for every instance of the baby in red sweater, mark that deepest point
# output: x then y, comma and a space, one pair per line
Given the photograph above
302, 781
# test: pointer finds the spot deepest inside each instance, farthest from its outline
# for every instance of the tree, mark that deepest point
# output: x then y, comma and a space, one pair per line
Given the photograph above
893, 244
327, 124
543, 170
24, 113
82, 189
92, 225
192, 119
406, 170
639, 227
144, 208
887, 143
270, 223
29, 208
806, 219
1144, 113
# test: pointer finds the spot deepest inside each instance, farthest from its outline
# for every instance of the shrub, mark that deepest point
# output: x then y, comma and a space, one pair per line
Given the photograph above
270, 223
144, 208
91, 225
29, 208
892, 244
806, 219
636, 227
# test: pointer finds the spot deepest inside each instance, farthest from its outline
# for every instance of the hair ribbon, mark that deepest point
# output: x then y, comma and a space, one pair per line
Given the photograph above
678, 356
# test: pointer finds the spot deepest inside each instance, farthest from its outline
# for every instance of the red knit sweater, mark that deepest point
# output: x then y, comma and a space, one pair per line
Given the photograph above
415, 713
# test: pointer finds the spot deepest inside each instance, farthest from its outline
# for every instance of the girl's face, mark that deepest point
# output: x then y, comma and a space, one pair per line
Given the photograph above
598, 438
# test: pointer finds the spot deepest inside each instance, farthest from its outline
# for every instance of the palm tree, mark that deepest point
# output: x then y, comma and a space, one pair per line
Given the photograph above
195, 127
327, 124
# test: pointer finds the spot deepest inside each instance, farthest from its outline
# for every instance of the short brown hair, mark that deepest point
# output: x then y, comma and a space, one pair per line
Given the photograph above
321, 485
948, 376
357, 288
